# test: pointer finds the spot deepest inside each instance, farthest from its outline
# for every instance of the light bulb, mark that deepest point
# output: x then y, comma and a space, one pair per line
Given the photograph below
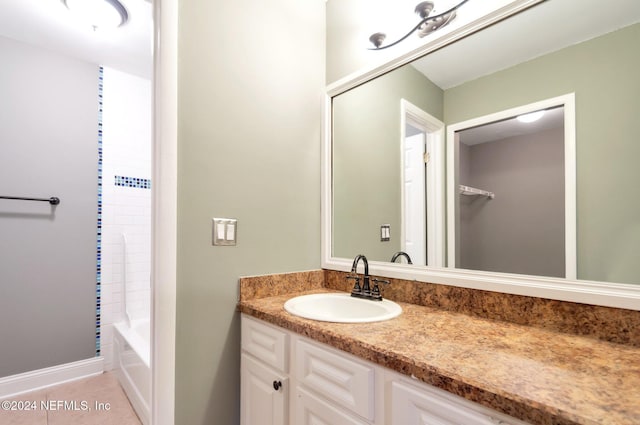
99, 13
531, 116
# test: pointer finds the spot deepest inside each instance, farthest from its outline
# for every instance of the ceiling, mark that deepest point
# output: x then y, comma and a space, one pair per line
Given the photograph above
547, 27
550, 26
48, 24
500, 130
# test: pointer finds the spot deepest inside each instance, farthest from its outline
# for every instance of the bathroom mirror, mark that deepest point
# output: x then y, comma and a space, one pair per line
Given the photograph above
509, 64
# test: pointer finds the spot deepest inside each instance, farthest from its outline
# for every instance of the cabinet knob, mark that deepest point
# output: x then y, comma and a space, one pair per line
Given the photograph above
277, 385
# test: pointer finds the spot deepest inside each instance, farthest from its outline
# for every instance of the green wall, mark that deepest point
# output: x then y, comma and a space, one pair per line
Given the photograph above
250, 90
366, 158
603, 73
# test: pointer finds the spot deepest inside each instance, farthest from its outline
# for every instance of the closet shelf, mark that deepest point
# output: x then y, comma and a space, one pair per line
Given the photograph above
472, 191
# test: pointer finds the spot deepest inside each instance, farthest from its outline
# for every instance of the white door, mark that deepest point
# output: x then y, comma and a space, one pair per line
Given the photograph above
414, 219
264, 394
422, 186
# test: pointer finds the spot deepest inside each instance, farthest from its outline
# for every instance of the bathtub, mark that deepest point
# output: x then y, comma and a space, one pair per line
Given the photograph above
131, 359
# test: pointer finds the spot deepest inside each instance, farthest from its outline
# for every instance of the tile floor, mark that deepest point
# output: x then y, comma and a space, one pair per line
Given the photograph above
92, 401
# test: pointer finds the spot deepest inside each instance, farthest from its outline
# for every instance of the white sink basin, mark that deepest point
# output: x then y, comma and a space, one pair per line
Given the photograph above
341, 308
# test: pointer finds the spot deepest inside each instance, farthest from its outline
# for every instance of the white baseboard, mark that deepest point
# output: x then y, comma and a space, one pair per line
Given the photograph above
30, 381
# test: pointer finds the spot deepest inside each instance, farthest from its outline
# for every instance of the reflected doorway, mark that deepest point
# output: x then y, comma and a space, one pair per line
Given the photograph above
512, 191
422, 191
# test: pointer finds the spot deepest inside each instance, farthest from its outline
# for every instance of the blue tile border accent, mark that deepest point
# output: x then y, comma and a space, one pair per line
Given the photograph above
99, 224
133, 182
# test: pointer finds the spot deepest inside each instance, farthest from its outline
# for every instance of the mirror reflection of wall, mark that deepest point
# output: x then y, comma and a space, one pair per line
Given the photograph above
602, 74
366, 160
599, 66
514, 222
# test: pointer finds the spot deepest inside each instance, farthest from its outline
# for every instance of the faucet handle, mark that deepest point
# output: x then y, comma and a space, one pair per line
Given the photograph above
357, 290
375, 292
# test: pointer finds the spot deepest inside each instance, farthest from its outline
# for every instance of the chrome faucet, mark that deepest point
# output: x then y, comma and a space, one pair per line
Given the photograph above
401, 254
365, 290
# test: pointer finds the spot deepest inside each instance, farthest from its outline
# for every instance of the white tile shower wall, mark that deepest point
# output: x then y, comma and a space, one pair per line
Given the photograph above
126, 208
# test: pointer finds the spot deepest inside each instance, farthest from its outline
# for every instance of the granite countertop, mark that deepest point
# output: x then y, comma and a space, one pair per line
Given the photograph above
537, 375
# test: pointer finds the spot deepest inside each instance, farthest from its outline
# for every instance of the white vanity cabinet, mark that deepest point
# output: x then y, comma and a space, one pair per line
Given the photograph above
264, 394
416, 403
264, 375
313, 410
330, 387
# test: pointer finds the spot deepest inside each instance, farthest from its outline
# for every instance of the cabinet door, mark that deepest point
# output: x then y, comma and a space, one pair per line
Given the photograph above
337, 377
311, 410
264, 394
265, 342
413, 406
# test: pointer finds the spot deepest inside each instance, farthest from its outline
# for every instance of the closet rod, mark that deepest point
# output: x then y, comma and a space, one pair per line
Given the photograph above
468, 190
53, 200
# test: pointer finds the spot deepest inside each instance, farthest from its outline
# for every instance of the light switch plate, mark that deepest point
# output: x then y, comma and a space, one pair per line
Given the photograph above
224, 231
385, 233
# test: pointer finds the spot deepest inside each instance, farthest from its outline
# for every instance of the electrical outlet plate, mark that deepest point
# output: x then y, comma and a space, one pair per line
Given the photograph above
224, 231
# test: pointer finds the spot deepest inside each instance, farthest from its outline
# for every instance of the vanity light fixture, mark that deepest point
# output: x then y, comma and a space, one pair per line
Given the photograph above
100, 14
426, 26
531, 116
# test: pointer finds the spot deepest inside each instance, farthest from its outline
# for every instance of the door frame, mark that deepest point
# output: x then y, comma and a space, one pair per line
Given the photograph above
435, 175
164, 211
568, 101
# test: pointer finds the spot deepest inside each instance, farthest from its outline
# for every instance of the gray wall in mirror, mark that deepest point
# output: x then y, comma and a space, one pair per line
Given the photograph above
602, 73
521, 230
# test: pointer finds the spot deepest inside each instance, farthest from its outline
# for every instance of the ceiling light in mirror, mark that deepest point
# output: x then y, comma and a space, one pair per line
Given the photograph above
492, 70
103, 14
531, 117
